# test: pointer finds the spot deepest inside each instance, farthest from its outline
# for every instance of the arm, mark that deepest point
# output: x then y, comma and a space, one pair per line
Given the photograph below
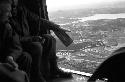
12, 43
51, 25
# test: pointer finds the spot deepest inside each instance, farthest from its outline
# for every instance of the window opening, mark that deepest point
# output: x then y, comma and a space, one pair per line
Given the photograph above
97, 28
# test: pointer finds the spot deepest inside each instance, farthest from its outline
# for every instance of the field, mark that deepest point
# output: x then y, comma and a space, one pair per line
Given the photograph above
93, 40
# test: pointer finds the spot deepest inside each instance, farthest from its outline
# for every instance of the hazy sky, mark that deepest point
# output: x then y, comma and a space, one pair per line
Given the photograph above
66, 4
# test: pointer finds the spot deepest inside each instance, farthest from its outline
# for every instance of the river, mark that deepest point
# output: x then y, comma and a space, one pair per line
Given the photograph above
103, 16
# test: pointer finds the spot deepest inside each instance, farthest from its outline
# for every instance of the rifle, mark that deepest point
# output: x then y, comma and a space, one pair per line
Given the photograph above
64, 38
62, 35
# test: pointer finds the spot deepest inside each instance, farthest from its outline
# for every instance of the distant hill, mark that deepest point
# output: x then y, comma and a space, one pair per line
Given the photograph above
117, 4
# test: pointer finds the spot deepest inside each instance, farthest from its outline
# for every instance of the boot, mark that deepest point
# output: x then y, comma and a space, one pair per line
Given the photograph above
45, 69
56, 72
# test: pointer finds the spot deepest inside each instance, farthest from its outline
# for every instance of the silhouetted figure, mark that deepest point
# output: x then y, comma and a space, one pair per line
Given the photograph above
30, 44
112, 68
49, 58
42, 28
10, 49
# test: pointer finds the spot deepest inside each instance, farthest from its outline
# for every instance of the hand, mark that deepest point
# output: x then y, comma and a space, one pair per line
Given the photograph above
38, 38
12, 62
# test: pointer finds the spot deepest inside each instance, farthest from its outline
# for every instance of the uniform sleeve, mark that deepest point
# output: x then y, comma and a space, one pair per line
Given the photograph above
12, 42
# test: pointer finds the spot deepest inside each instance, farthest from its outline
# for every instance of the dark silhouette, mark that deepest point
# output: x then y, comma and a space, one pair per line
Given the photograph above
24, 23
112, 68
49, 58
30, 44
10, 49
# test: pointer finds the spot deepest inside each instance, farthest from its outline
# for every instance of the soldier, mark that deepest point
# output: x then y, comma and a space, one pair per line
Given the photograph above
29, 33
42, 28
10, 48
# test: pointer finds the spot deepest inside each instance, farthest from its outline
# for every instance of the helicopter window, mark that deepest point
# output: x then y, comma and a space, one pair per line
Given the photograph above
97, 28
